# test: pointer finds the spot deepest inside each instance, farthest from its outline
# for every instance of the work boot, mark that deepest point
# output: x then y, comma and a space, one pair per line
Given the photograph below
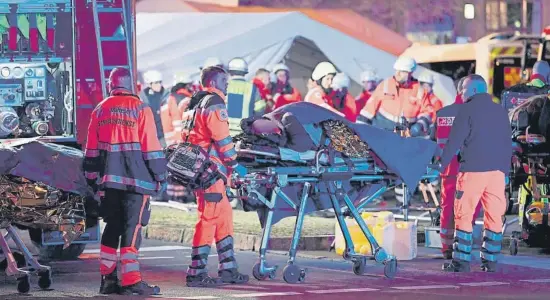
109, 284
232, 276
456, 266
228, 268
462, 249
197, 275
203, 280
490, 249
140, 288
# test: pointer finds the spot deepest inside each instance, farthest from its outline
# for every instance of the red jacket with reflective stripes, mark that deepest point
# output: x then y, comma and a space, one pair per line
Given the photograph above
212, 129
122, 150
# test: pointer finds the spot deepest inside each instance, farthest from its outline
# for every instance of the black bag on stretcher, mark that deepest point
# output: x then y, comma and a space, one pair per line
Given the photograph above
518, 94
190, 165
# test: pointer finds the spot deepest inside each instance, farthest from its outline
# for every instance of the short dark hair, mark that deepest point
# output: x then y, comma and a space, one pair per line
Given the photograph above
210, 73
261, 71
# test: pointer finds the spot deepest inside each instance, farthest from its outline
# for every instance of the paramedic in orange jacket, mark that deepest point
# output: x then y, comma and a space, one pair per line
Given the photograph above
427, 83
398, 97
281, 91
215, 222
340, 100
123, 159
321, 82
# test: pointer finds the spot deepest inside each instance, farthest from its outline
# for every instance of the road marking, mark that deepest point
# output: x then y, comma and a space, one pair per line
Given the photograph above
536, 280
148, 249
426, 287
155, 257
189, 256
350, 272
252, 295
488, 283
244, 287
342, 291
190, 298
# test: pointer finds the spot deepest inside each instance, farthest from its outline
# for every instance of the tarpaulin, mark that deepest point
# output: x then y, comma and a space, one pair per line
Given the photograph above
54, 165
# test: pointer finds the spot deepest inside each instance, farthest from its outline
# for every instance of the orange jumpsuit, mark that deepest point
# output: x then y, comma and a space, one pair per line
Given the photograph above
215, 220
391, 101
361, 100
170, 118
435, 102
123, 158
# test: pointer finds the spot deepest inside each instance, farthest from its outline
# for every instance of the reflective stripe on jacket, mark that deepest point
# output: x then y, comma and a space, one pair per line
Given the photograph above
211, 130
392, 101
122, 150
241, 98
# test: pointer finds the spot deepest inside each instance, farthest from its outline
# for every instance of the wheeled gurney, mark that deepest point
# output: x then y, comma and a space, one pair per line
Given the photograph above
282, 182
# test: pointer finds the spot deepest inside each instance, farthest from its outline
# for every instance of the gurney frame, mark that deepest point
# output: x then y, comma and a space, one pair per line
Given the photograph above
326, 179
23, 266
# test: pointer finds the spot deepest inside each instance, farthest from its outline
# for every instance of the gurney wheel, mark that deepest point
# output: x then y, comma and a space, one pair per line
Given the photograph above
44, 279
256, 273
23, 284
513, 246
359, 266
390, 268
293, 274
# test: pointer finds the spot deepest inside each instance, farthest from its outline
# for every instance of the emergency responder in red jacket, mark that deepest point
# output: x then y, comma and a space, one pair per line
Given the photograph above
340, 99
281, 91
321, 82
211, 131
444, 122
123, 159
261, 81
369, 79
396, 98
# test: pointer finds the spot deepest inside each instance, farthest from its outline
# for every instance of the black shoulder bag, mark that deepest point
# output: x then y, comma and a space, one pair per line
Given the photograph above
190, 164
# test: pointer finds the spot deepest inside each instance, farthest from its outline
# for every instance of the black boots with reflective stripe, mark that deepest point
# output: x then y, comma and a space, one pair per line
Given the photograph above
492, 244
462, 253
228, 268
197, 274
109, 284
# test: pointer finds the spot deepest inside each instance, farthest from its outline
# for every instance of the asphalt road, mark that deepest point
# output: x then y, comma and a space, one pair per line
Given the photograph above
525, 277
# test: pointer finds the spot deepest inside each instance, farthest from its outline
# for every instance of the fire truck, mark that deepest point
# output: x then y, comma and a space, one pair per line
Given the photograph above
503, 59
55, 58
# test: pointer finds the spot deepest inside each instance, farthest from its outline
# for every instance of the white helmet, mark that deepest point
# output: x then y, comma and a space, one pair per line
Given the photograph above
427, 78
152, 76
404, 63
238, 65
323, 69
211, 62
182, 78
340, 81
280, 67
369, 75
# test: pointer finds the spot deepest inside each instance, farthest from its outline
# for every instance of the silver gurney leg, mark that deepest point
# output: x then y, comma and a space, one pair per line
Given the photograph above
30, 264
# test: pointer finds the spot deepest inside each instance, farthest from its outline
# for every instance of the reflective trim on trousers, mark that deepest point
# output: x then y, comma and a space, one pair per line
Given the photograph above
195, 272
462, 256
199, 263
494, 236
129, 256
200, 250
130, 267
90, 153
227, 254
224, 242
91, 175
228, 265
489, 257
107, 260
108, 256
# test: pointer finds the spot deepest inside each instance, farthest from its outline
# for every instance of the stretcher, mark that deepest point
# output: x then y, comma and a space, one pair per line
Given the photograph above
299, 182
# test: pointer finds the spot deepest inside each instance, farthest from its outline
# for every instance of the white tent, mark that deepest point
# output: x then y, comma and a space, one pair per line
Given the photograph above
180, 42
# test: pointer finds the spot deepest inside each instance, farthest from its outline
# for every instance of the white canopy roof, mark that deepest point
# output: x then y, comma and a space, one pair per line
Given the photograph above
180, 42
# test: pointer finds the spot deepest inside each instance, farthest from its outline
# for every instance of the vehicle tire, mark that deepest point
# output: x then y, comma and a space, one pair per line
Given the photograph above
50, 253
